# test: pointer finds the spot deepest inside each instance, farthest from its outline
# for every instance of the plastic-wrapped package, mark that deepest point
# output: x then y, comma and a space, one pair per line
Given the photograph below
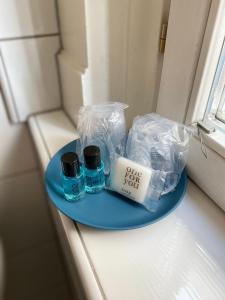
103, 125
159, 144
139, 183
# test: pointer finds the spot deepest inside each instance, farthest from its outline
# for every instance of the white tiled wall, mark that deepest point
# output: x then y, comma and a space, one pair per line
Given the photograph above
30, 262
24, 217
16, 151
40, 265
27, 18
29, 42
31, 69
33, 267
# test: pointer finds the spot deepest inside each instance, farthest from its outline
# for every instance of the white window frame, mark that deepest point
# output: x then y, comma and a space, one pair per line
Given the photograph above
187, 76
210, 53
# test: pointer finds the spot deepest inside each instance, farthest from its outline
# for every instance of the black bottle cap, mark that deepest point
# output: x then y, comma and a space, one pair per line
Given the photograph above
70, 164
92, 157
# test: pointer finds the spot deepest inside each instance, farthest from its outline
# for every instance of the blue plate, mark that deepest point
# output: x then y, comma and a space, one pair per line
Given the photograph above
107, 210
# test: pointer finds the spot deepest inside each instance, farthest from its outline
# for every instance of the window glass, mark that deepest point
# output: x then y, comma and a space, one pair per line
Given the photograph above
215, 110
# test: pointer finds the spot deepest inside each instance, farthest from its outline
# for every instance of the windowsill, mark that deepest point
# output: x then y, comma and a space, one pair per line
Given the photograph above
180, 256
216, 141
208, 172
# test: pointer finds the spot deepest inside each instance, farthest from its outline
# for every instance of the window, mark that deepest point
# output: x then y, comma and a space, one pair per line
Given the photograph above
192, 86
215, 110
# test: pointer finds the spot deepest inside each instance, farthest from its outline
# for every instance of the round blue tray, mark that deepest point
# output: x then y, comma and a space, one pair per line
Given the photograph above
107, 210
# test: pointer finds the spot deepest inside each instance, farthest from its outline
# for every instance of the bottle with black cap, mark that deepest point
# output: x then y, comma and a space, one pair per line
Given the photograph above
72, 177
94, 169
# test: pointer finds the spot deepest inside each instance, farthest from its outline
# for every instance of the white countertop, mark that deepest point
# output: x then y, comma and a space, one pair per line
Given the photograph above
180, 257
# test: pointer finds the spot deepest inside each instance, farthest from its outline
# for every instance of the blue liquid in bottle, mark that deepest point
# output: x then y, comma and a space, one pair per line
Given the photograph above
72, 177
94, 170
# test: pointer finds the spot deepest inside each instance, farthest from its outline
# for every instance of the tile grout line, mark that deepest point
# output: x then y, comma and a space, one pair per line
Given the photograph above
10, 89
20, 173
58, 52
26, 37
58, 22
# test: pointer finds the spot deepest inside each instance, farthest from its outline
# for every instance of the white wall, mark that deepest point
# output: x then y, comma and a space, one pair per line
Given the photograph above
112, 47
16, 151
24, 219
29, 42
27, 18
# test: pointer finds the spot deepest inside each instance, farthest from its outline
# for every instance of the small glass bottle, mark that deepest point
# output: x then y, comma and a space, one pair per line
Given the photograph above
72, 177
94, 170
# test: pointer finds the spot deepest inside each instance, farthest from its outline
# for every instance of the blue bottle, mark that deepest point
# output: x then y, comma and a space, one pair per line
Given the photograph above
94, 170
72, 177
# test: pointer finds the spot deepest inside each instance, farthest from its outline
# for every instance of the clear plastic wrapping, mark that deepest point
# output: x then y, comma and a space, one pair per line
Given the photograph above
143, 166
156, 153
103, 125
160, 144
